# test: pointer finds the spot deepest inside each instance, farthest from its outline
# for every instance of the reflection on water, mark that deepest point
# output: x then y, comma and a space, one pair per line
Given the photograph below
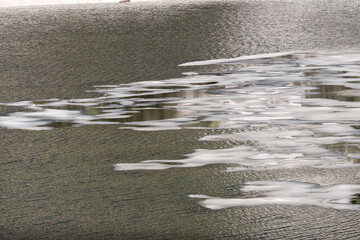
355, 199
140, 102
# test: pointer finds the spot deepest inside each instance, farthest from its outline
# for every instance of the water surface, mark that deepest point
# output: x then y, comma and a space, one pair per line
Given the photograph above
248, 136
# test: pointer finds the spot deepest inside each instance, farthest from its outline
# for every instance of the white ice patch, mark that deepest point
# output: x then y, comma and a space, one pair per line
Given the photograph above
288, 193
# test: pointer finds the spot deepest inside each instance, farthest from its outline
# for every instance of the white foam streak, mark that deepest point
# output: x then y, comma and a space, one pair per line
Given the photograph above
288, 193
200, 158
235, 60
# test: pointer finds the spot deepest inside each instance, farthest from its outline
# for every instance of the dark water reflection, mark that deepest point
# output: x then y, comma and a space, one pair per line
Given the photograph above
336, 92
146, 107
356, 199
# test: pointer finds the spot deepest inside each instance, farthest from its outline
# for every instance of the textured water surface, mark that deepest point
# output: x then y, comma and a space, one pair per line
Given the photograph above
244, 111
287, 108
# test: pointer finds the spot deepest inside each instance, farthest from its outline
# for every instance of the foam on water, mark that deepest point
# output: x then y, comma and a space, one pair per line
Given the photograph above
342, 196
287, 105
235, 60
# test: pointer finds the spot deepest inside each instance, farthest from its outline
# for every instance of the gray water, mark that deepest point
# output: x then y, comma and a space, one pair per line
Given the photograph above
192, 120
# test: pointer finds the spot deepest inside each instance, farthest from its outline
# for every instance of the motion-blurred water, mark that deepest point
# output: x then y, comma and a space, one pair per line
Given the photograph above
247, 110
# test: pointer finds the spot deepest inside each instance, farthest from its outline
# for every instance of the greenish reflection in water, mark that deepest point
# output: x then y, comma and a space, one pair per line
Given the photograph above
356, 199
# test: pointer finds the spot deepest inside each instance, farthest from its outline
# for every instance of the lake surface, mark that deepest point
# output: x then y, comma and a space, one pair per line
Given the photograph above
192, 120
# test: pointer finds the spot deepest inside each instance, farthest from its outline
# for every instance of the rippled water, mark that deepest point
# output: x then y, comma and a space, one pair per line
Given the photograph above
287, 88
184, 120
287, 107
